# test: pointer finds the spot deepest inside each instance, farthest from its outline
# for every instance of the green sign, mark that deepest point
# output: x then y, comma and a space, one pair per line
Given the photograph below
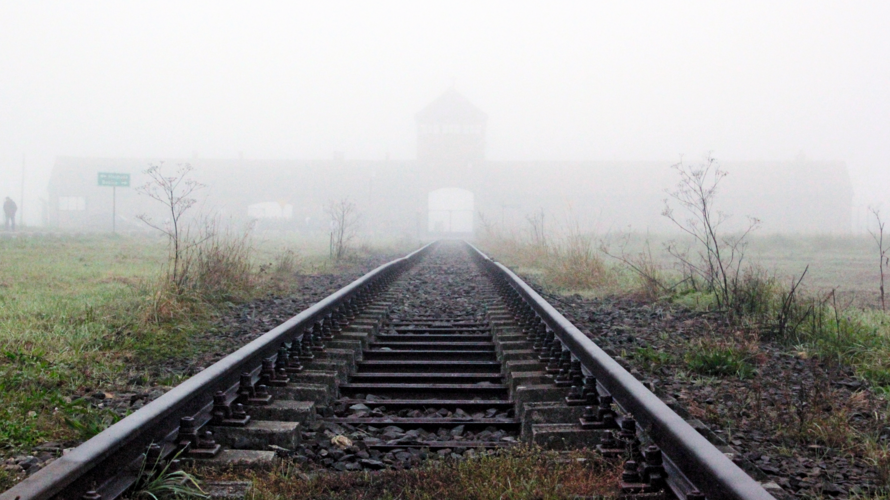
113, 179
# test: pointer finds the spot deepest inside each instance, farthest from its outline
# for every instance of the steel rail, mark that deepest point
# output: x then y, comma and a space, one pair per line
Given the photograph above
706, 467
98, 463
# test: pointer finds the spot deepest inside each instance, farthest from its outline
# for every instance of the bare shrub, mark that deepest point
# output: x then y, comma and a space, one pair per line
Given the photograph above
536, 228
651, 282
208, 261
176, 193
345, 220
716, 259
790, 313
883, 251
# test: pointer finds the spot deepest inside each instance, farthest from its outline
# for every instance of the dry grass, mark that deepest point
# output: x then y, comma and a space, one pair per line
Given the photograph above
575, 264
568, 261
518, 473
217, 265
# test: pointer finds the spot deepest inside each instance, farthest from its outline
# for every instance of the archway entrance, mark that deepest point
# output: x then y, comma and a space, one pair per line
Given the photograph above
450, 211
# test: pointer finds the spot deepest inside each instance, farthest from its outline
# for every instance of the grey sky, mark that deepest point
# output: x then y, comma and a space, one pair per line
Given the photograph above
569, 80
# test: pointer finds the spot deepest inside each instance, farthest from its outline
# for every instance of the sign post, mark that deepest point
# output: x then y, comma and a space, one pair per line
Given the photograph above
115, 180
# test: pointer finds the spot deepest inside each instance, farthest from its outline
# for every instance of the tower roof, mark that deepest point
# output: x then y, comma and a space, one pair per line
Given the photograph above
451, 107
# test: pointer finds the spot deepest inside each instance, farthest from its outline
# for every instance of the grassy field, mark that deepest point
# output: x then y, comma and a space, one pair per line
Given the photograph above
66, 303
847, 264
80, 315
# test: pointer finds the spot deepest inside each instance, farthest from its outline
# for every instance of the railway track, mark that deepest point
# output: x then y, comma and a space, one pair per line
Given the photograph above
430, 380
443, 351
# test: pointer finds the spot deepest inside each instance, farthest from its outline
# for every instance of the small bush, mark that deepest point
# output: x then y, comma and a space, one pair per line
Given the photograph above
754, 293
161, 481
654, 359
709, 358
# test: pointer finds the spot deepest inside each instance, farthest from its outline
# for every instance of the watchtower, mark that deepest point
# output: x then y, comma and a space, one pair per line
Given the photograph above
451, 130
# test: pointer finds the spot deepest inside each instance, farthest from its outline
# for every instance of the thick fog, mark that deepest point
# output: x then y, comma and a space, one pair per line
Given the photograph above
770, 81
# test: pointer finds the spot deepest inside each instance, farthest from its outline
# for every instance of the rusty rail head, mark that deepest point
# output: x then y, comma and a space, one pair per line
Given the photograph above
111, 454
702, 464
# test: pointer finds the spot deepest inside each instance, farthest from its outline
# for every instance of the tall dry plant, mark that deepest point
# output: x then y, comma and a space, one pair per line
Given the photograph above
574, 260
536, 228
345, 219
568, 257
883, 250
208, 260
717, 257
652, 283
176, 192
214, 266
575, 263
218, 267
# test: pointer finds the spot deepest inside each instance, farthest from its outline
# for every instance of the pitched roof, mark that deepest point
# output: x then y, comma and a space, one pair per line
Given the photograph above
451, 107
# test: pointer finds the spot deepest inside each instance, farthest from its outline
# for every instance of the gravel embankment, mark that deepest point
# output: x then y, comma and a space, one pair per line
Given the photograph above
799, 419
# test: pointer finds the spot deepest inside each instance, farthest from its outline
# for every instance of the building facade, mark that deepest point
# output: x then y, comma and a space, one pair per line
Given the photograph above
452, 185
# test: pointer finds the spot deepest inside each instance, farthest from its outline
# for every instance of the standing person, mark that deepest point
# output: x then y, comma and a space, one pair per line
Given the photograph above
9, 208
